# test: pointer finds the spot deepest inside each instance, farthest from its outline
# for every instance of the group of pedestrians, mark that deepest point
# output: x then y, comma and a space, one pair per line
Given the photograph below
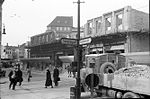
56, 77
15, 76
71, 70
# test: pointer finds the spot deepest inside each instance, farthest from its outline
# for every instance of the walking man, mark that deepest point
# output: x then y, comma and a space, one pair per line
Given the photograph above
19, 76
11, 76
56, 76
69, 70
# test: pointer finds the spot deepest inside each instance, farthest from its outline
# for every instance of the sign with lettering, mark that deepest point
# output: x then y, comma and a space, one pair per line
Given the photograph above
69, 41
85, 41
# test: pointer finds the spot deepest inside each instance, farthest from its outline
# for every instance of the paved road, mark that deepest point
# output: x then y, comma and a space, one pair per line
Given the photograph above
35, 89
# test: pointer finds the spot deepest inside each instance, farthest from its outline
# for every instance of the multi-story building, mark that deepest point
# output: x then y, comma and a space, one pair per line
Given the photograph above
23, 53
46, 47
3, 52
61, 26
12, 52
125, 30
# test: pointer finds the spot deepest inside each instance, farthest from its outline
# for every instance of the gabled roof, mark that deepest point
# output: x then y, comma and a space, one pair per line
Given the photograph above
62, 21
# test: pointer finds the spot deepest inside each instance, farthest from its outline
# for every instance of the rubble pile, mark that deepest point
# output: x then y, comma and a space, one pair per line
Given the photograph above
135, 71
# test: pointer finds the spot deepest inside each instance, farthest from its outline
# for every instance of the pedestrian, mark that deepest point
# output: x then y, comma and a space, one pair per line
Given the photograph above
48, 79
69, 70
15, 78
56, 76
11, 76
19, 76
74, 68
83, 76
29, 74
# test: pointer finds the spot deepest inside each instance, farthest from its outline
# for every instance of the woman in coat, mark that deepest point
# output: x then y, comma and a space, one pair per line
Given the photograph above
56, 76
48, 79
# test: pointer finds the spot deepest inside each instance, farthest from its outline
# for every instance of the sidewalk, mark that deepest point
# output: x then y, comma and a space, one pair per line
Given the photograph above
35, 89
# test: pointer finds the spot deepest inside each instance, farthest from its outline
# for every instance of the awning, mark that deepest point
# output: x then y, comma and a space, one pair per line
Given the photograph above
66, 59
47, 59
117, 47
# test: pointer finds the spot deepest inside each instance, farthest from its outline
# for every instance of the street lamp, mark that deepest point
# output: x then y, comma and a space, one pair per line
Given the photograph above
4, 32
1, 32
1, 2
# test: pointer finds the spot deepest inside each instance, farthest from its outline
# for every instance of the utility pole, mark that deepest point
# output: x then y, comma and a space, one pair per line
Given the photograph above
78, 91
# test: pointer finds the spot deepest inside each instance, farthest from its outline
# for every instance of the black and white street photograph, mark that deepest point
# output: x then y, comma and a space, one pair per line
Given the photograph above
74, 49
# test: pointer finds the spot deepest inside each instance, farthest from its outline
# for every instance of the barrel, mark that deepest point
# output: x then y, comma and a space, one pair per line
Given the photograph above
72, 92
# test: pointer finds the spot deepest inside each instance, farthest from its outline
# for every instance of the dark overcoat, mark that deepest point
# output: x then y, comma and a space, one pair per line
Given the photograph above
48, 79
56, 74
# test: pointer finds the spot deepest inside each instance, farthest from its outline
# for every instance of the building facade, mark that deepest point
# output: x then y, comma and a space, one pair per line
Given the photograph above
46, 48
125, 30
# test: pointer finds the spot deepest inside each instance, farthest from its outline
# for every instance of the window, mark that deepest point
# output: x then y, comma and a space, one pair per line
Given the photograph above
57, 28
43, 38
49, 28
65, 28
46, 38
108, 23
119, 21
39, 39
98, 25
68, 28
90, 28
60, 28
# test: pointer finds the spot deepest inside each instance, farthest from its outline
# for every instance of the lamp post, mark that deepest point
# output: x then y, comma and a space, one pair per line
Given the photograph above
78, 54
1, 2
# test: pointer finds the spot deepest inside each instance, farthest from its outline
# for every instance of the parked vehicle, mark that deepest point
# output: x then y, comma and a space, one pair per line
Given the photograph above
118, 79
128, 82
106, 63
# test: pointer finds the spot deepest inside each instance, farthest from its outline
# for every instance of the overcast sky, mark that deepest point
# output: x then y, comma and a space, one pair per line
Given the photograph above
25, 18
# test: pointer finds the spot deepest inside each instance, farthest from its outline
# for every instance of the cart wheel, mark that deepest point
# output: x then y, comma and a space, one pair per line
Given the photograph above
130, 95
118, 94
107, 67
